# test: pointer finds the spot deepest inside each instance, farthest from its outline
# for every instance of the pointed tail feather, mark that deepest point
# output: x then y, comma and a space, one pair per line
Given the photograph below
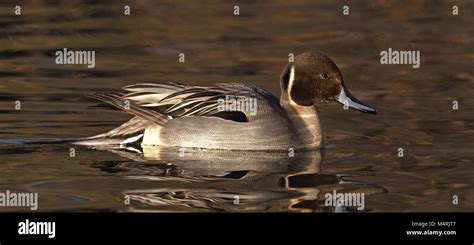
129, 106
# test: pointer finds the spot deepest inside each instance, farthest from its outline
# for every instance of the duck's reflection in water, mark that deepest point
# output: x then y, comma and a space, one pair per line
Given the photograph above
194, 180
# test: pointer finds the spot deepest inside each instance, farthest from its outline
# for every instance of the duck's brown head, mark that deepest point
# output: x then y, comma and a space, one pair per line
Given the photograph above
312, 78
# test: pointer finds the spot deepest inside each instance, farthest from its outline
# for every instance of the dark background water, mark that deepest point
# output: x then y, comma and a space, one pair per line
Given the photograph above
414, 105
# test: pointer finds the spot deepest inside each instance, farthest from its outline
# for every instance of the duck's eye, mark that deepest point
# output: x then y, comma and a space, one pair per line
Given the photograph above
324, 75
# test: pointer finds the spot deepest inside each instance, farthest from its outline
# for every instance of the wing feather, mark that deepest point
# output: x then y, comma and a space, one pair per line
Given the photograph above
156, 101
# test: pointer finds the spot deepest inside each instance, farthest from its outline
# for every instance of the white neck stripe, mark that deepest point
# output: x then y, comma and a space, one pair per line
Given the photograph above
291, 80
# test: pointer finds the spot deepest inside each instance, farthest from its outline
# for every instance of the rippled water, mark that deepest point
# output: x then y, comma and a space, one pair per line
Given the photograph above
414, 105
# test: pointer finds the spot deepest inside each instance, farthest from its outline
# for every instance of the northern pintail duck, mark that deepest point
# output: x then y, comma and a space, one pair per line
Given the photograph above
210, 117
